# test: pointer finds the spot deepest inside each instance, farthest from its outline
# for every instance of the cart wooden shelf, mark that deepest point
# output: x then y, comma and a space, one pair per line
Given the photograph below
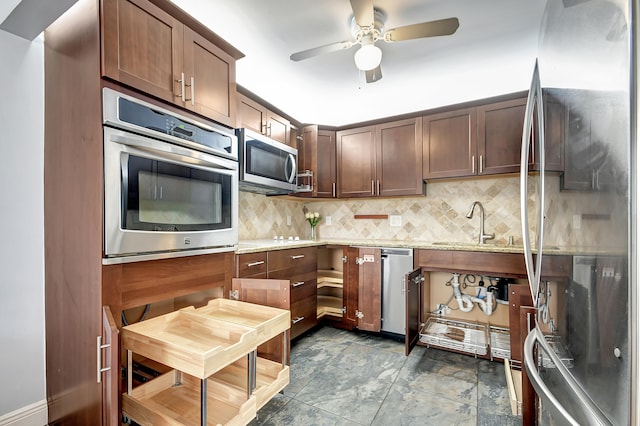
192, 343
267, 321
174, 399
217, 377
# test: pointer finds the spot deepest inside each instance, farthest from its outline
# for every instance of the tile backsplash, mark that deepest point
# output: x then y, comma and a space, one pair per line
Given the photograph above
438, 216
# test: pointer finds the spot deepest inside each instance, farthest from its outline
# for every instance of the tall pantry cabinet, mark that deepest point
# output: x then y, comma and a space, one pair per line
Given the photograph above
83, 297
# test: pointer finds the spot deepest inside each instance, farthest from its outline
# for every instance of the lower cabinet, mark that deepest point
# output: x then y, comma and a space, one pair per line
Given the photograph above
296, 265
349, 287
337, 288
494, 340
214, 375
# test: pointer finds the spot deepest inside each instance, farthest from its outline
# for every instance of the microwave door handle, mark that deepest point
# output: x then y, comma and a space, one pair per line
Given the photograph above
291, 159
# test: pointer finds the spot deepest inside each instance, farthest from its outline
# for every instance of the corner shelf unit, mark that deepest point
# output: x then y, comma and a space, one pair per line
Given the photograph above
330, 299
215, 375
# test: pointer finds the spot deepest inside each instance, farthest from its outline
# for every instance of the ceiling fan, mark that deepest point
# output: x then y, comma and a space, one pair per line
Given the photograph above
367, 27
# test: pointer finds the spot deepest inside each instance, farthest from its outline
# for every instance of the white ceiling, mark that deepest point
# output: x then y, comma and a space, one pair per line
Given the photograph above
492, 53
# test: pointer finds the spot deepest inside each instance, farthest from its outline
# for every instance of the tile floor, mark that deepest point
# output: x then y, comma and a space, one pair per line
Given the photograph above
352, 378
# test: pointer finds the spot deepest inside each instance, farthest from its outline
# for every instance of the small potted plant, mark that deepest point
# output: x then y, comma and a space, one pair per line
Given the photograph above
313, 218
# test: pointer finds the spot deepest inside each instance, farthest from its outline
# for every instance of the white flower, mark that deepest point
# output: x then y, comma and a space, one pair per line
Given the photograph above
316, 214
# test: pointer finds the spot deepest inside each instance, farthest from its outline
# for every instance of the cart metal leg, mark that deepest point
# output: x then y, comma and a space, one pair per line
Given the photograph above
203, 402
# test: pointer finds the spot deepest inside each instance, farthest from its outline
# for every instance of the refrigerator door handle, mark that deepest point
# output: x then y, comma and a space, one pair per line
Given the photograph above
534, 101
593, 413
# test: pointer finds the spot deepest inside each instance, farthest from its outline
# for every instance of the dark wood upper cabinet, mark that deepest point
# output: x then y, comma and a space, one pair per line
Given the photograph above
381, 160
257, 117
487, 140
356, 157
449, 144
398, 159
500, 137
210, 83
317, 154
326, 178
146, 48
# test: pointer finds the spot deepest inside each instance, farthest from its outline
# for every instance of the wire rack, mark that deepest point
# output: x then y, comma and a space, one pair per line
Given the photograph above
499, 342
456, 335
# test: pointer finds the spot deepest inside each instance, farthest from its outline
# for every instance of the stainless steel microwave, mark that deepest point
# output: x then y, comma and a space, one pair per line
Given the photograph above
266, 166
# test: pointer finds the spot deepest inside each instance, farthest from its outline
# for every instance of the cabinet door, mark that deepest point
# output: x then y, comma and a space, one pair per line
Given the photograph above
278, 127
142, 47
519, 295
399, 158
325, 176
111, 377
500, 136
356, 159
274, 293
449, 144
414, 307
350, 287
307, 158
369, 289
210, 79
251, 114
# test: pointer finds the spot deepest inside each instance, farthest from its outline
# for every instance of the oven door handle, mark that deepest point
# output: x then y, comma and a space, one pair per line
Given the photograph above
165, 151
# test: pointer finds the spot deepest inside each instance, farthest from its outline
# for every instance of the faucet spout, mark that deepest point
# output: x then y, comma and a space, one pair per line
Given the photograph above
482, 236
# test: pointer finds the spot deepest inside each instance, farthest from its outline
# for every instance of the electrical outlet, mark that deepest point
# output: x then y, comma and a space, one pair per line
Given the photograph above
395, 220
327, 220
577, 221
288, 220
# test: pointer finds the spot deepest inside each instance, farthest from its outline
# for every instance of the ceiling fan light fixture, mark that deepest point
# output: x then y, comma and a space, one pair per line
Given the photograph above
368, 57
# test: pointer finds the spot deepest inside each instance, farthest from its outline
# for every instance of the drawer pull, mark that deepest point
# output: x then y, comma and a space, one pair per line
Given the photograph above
297, 284
297, 320
298, 256
260, 262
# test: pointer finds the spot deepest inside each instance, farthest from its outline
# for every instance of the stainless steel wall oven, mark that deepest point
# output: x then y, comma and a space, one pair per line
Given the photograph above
170, 182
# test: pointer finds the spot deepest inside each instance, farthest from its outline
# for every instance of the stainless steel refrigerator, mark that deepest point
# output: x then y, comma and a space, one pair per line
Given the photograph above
579, 191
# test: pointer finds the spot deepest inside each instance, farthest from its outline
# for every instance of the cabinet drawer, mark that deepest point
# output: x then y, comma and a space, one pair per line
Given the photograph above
251, 265
303, 315
303, 288
297, 260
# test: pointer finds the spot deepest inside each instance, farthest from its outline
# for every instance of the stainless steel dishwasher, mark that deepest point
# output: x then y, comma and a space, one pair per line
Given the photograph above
396, 263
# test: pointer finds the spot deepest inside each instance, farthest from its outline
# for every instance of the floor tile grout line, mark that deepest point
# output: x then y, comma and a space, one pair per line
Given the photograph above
388, 391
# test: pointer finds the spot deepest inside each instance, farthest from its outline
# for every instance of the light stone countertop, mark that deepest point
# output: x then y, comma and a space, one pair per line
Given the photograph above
256, 246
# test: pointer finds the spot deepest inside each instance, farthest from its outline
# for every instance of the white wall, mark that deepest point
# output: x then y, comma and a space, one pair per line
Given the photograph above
22, 335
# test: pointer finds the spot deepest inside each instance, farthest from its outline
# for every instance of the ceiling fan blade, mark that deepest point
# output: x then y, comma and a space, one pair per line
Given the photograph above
426, 29
363, 12
373, 75
321, 50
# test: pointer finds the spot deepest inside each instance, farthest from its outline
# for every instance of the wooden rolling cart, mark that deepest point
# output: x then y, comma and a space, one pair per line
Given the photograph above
217, 377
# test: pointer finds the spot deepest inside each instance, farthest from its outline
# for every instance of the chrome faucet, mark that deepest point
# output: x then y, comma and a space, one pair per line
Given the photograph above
483, 237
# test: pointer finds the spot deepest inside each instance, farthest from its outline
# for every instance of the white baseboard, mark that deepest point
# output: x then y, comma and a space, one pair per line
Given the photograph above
32, 415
